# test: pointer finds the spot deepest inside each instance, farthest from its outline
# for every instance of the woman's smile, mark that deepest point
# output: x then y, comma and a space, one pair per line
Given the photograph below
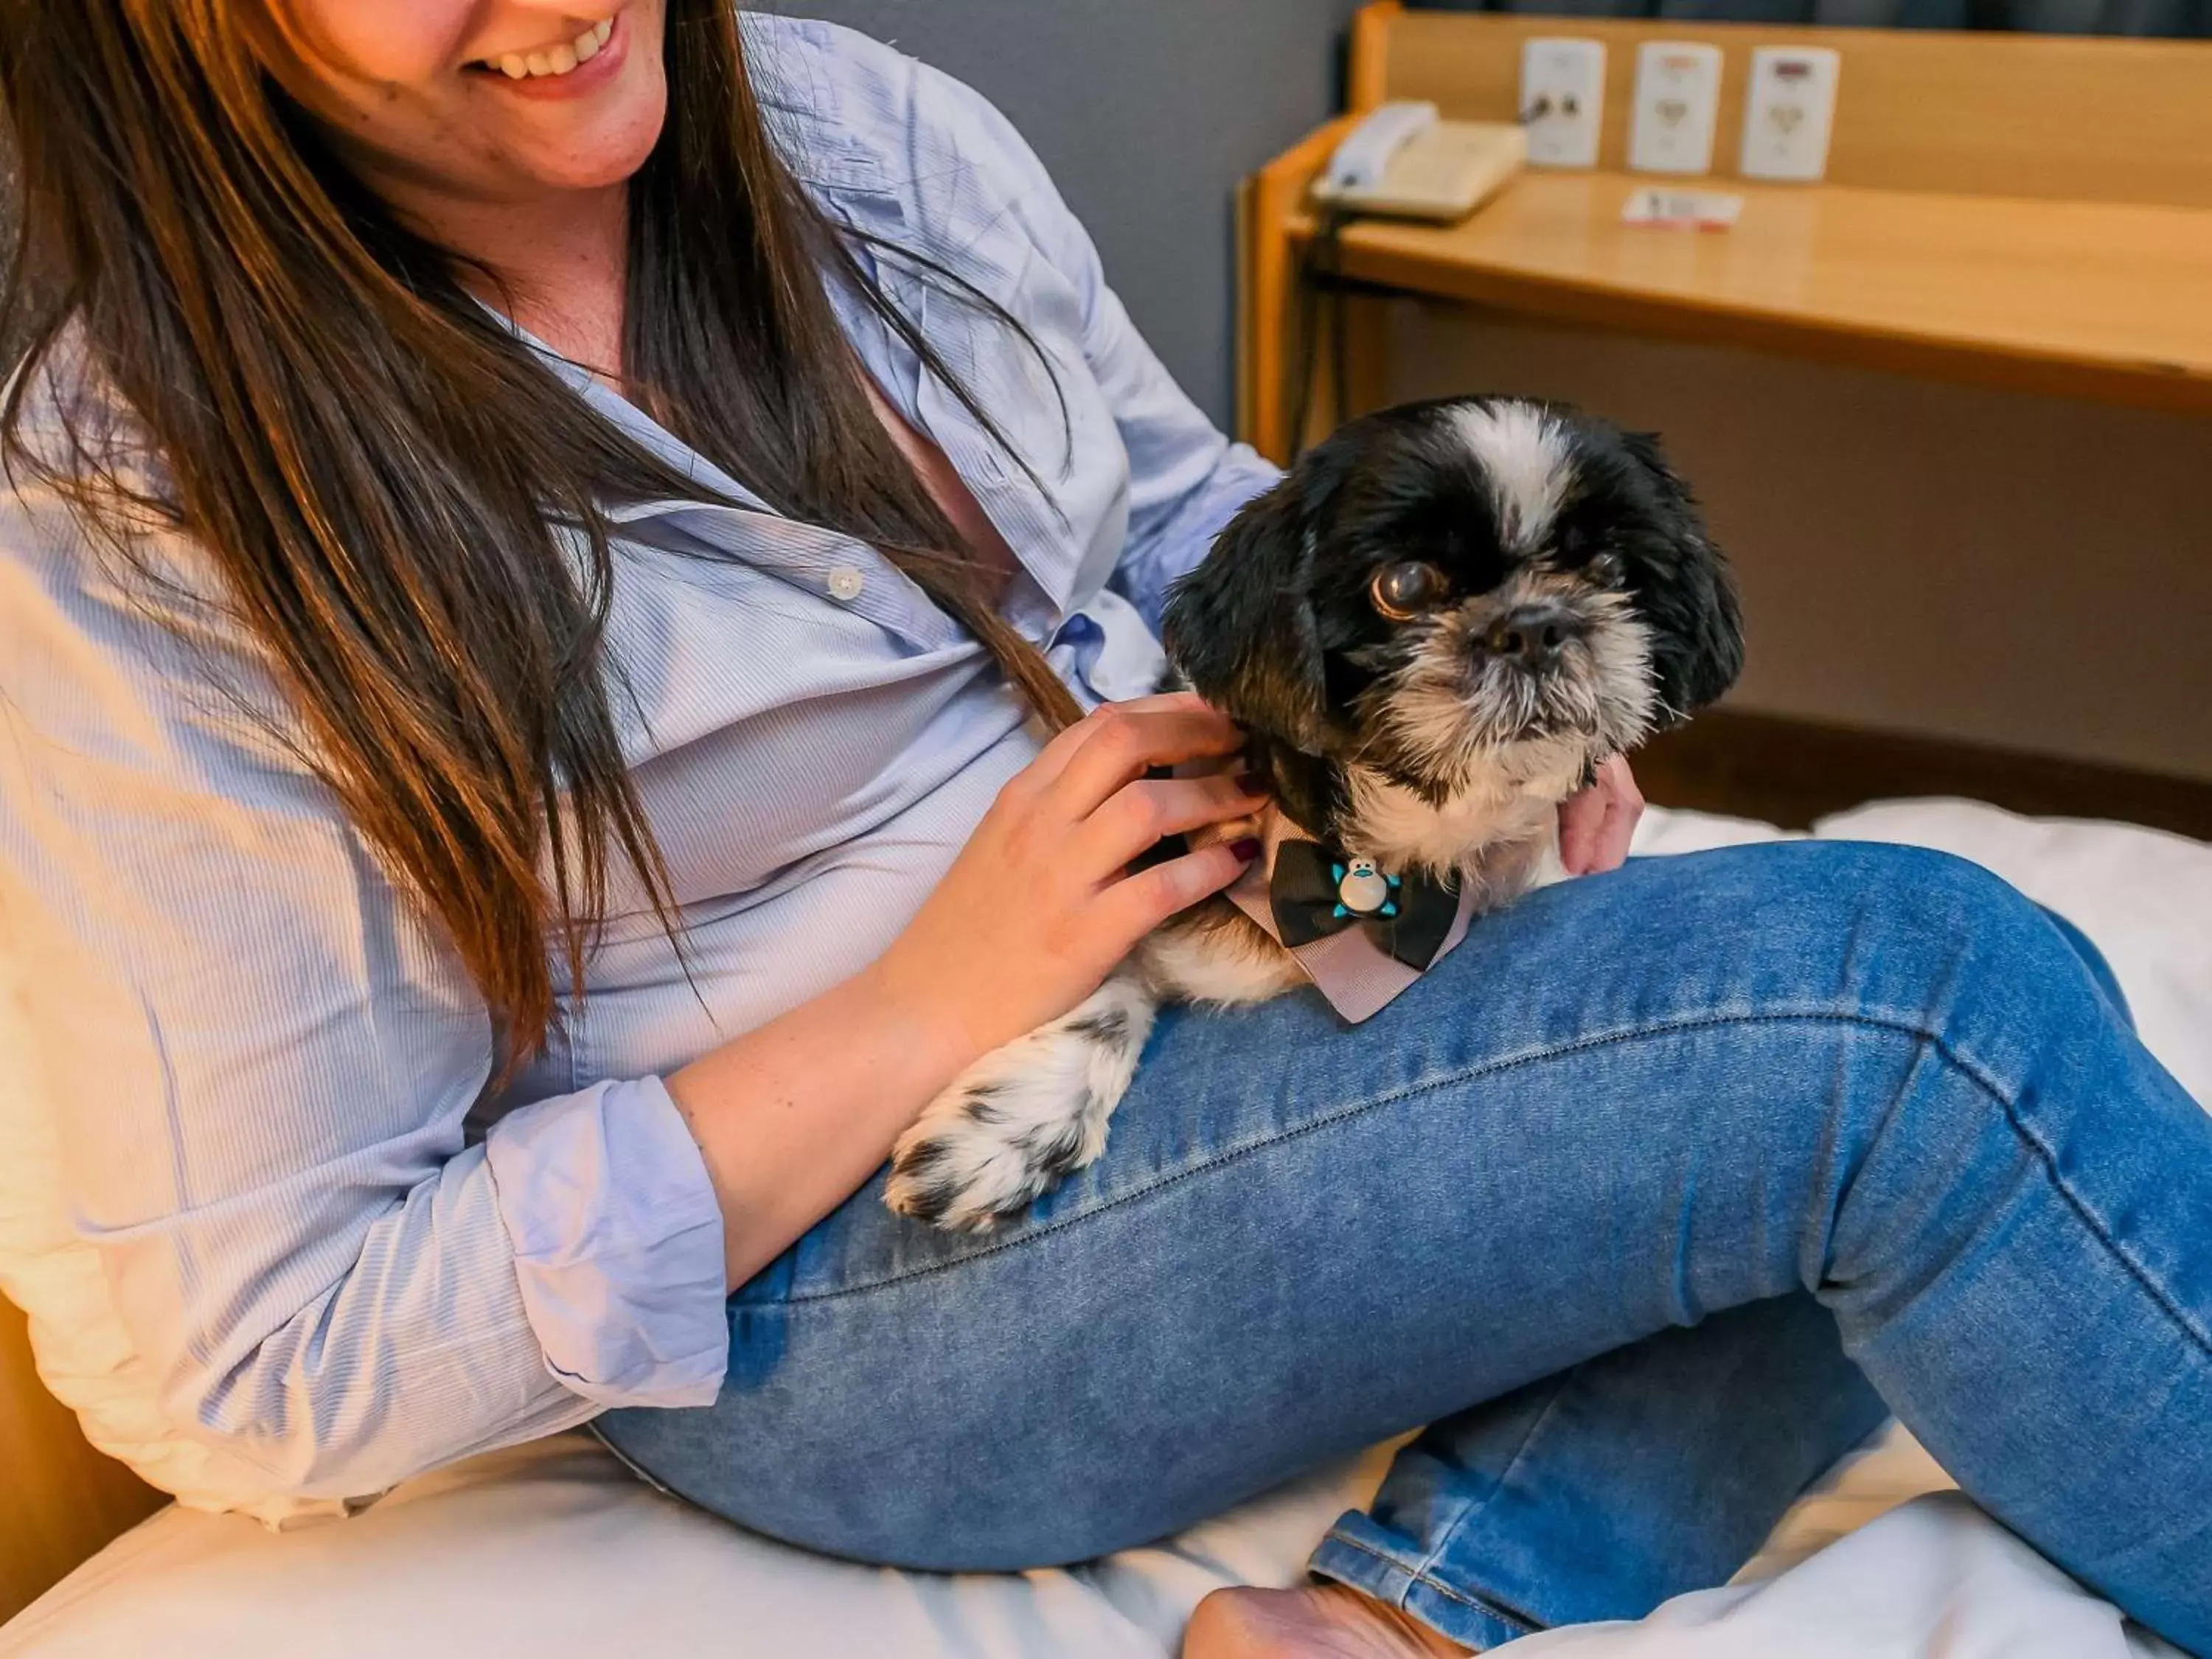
566, 69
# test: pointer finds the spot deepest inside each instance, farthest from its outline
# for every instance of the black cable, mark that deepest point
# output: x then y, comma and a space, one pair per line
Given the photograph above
1340, 318
1320, 270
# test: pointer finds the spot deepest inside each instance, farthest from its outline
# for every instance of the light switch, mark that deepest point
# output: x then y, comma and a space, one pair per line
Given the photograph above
1789, 111
1678, 103
1563, 100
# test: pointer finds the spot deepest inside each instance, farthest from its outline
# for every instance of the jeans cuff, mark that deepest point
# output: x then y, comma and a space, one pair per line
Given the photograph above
1363, 1555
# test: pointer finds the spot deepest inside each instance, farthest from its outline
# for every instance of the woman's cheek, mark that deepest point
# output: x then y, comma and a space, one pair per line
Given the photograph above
381, 43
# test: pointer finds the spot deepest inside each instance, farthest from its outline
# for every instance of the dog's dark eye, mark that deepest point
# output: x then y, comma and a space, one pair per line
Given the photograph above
1402, 591
1606, 570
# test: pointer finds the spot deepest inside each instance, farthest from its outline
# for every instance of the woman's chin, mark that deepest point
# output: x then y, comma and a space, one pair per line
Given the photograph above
583, 145
593, 160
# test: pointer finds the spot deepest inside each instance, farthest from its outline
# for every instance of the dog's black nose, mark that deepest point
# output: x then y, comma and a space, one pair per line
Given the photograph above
1532, 634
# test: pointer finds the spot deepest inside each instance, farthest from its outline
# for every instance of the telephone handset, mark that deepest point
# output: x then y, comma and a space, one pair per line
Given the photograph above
1404, 160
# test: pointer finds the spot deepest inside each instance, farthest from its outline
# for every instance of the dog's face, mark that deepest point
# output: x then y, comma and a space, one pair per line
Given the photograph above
1461, 595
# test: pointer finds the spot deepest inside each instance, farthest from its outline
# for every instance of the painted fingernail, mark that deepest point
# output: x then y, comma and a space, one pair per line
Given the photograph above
1252, 783
1247, 848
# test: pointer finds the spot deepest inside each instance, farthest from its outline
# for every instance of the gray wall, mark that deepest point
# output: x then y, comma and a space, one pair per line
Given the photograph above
1147, 112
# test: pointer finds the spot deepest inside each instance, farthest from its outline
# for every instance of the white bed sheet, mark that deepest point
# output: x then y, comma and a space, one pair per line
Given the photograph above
552, 1551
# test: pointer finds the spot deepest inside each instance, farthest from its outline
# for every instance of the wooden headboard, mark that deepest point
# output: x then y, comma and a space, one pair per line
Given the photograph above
60, 1500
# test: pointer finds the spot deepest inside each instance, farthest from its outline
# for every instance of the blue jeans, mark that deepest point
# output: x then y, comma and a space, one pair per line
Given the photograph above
1684, 1170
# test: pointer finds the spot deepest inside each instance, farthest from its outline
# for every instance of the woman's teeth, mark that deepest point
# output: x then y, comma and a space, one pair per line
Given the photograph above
560, 60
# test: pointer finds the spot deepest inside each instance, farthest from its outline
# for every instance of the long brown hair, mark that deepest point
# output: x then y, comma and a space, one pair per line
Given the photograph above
384, 476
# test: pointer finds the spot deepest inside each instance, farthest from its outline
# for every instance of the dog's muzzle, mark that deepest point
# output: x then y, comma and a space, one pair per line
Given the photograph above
1532, 636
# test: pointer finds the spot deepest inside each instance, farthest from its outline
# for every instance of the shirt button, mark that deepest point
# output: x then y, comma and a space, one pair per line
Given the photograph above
846, 583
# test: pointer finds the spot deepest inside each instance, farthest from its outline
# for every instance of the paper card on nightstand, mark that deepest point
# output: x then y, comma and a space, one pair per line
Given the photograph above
1681, 209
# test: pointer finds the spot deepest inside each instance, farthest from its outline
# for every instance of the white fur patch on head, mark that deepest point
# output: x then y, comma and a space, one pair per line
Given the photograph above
1529, 462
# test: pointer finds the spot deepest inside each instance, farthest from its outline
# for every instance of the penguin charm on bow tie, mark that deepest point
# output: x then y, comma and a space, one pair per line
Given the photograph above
1314, 892
1363, 891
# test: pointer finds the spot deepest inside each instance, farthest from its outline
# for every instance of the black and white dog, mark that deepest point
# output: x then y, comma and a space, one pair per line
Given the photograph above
1434, 629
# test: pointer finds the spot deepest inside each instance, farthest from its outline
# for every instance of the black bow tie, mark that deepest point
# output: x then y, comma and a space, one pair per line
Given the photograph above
1315, 891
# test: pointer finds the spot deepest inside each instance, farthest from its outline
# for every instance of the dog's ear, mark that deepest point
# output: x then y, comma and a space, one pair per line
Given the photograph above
1686, 591
1240, 627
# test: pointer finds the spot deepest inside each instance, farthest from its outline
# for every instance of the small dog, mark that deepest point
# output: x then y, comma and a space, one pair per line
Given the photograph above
1435, 628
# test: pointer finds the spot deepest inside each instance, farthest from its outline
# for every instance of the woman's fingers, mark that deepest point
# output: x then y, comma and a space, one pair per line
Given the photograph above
1135, 905
1052, 760
1139, 814
1124, 741
1598, 826
1624, 808
1580, 817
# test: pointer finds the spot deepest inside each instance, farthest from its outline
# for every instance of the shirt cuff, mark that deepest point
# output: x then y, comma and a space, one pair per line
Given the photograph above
617, 1244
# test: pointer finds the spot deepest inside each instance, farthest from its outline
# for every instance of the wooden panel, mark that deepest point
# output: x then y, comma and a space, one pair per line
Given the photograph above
1266, 288
2092, 300
59, 1500
1368, 82
2057, 116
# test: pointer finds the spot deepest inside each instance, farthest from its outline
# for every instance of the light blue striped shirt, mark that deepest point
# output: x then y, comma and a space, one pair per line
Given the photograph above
337, 1256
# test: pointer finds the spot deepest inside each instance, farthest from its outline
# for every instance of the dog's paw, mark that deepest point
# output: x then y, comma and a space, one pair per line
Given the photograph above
1024, 1116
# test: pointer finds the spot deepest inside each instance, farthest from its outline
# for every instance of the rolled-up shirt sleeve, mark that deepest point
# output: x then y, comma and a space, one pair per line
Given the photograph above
263, 1060
618, 1244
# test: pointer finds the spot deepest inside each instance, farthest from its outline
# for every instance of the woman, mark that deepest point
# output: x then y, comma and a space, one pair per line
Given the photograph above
533, 549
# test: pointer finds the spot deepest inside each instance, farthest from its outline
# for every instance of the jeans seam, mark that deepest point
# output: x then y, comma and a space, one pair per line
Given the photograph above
1421, 1576
2200, 1339
1478, 1501
1233, 1154
1968, 1068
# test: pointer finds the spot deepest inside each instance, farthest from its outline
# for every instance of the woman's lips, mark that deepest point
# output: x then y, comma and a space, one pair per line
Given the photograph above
611, 45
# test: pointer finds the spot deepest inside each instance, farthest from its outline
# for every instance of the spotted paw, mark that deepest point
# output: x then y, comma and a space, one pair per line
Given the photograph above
1024, 1117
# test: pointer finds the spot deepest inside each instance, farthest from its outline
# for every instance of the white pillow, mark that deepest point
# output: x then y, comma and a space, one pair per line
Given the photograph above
85, 1355
552, 1550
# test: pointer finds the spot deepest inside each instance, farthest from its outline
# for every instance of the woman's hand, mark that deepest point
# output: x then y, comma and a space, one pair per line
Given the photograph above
1596, 826
1040, 905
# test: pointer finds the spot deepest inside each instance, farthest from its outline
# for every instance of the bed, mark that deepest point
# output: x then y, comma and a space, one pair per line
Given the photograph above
552, 1550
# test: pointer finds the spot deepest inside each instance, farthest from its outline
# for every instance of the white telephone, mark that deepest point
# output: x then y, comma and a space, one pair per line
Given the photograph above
1402, 160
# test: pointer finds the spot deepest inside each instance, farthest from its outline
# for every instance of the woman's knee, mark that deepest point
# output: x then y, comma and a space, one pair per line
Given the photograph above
1901, 886
1939, 940
1848, 923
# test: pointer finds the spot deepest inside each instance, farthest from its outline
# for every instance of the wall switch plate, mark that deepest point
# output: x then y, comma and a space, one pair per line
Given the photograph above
1563, 100
1678, 105
1789, 111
